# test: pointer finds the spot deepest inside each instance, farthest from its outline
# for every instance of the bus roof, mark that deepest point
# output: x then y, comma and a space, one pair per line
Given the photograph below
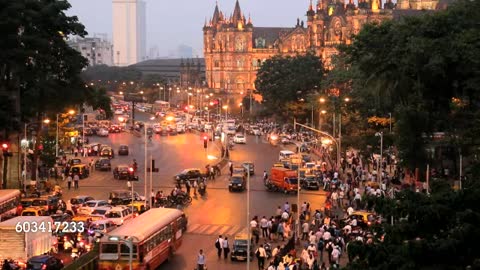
6, 194
146, 224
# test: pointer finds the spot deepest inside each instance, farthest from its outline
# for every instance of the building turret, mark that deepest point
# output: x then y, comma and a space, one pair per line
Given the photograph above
389, 5
310, 12
216, 15
237, 14
351, 5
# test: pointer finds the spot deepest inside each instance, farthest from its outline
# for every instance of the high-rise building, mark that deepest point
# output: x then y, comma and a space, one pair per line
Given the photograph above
97, 49
129, 33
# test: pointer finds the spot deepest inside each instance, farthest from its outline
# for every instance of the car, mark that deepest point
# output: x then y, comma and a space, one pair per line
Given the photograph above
103, 164
64, 217
239, 138
124, 197
101, 227
237, 182
123, 150
118, 112
114, 129
34, 211
150, 131
89, 206
157, 129
26, 202
42, 262
310, 182
81, 170
107, 152
249, 167
187, 174
79, 201
365, 219
74, 161
119, 214
49, 204
240, 247
123, 172
98, 213
102, 132
239, 170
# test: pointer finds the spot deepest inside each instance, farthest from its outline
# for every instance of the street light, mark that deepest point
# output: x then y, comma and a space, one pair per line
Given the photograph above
225, 107
241, 108
380, 134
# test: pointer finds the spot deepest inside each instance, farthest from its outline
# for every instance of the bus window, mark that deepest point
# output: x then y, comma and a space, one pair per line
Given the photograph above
125, 251
110, 248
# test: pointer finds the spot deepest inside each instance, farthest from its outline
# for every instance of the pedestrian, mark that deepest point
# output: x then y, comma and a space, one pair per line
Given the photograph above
231, 171
212, 173
187, 186
261, 255
264, 226
218, 246
305, 230
195, 186
225, 247
75, 151
76, 178
200, 260
152, 195
69, 181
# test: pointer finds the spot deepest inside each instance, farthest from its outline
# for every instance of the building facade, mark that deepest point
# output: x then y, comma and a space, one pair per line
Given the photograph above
129, 36
98, 50
234, 49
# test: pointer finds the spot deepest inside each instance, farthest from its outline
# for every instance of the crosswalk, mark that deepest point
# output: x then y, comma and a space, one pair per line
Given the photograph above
214, 229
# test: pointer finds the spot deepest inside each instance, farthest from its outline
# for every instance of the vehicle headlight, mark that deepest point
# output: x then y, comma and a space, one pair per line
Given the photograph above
178, 177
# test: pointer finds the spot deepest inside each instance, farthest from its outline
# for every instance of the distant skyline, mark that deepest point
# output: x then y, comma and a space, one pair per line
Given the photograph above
175, 24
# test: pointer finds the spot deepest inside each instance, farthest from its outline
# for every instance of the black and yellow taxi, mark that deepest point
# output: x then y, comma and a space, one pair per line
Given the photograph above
34, 211
80, 169
240, 247
364, 218
139, 207
107, 151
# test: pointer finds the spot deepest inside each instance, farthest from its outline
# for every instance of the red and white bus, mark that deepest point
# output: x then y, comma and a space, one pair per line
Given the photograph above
9, 203
154, 237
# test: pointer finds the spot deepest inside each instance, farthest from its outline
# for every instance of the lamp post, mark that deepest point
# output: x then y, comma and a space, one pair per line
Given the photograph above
241, 108
322, 101
379, 174
390, 121
225, 107
249, 238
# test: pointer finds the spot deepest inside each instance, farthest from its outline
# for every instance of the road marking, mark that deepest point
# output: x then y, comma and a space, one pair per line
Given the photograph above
193, 227
214, 229
203, 228
233, 230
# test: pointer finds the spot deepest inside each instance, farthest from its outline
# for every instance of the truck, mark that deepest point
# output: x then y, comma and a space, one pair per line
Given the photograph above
26, 236
282, 179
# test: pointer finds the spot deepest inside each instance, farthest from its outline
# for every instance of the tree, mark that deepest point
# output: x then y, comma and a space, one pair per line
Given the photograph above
417, 68
285, 82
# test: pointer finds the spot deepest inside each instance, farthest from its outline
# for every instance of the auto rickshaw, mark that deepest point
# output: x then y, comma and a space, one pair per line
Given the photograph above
81, 170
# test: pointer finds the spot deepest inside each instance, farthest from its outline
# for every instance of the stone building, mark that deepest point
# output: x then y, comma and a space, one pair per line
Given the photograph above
98, 49
234, 48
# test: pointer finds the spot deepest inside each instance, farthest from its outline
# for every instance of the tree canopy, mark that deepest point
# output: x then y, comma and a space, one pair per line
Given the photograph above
286, 82
40, 73
425, 70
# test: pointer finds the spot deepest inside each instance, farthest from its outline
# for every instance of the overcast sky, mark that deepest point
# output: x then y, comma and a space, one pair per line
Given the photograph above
171, 23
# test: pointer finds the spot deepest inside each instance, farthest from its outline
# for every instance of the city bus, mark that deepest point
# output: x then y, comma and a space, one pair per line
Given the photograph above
9, 202
154, 237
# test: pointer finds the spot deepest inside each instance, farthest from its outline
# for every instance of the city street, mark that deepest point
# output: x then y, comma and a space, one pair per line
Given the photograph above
220, 211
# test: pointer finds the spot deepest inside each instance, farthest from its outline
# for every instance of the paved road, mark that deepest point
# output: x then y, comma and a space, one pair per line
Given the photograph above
219, 212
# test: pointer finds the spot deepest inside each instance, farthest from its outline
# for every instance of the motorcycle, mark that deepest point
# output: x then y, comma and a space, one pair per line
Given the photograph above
268, 250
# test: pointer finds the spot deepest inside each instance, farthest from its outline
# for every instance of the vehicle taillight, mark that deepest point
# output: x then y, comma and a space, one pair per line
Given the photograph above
44, 267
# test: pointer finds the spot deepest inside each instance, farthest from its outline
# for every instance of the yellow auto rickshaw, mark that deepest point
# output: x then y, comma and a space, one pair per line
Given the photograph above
80, 169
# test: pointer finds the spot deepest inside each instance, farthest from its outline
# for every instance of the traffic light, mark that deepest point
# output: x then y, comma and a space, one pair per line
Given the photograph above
216, 101
5, 150
205, 141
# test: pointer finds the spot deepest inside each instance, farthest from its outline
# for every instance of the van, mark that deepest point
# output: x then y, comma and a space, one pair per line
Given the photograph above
285, 154
119, 215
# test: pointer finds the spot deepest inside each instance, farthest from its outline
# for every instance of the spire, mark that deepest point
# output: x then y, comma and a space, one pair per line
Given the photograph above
216, 14
310, 12
237, 13
249, 20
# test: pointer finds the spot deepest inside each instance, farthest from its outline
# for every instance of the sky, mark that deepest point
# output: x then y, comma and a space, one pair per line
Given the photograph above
172, 23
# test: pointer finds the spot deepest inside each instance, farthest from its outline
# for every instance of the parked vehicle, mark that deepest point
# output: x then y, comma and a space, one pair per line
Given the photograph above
42, 262
123, 150
103, 164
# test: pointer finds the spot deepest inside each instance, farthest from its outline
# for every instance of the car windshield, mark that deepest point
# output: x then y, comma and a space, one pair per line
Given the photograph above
114, 215
97, 227
26, 203
240, 136
292, 181
91, 204
122, 169
39, 202
99, 212
240, 243
36, 265
28, 213
237, 180
57, 217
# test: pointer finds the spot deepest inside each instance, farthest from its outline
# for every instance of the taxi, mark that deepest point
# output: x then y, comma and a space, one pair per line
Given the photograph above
34, 211
81, 218
240, 247
373, 184
27, 202
139, 207
80, 169
365, 218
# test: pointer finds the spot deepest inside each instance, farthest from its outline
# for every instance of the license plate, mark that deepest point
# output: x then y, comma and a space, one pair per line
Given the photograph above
239, 185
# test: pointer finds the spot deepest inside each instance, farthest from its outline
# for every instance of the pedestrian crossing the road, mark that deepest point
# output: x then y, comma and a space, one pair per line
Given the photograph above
214, 229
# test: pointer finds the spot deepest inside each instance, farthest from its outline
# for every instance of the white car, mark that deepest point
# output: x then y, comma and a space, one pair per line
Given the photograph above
239, 138
99, 212
103, 132
118, 112
90, 206
119, 215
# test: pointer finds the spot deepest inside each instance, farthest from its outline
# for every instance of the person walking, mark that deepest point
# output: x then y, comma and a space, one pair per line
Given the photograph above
200, 260
69, 181
264, 227
261, 255
187, 187
225, 247
76, 179
218, 246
